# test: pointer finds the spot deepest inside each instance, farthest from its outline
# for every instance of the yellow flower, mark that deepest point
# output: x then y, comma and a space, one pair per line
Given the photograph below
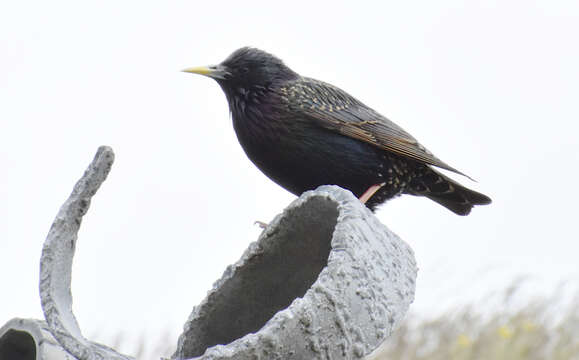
505, 332
529, 325
463, 340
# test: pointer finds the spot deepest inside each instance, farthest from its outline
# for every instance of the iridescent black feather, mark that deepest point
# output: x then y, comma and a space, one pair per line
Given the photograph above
303, 133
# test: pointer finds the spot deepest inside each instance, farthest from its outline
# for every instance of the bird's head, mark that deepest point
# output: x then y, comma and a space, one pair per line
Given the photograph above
246, 68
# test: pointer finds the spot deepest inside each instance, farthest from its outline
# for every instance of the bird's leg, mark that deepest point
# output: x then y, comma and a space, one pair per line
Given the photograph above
370, 192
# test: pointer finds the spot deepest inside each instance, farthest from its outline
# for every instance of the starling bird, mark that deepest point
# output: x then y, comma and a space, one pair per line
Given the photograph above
303, 133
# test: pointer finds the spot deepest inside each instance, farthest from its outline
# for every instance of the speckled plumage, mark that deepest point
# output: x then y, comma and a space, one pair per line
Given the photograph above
303, 133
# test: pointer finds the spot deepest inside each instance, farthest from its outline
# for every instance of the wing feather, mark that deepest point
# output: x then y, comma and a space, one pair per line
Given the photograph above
334, 109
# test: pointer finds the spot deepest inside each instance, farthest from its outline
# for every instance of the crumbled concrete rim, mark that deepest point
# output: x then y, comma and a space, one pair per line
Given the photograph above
353, 303
29, 339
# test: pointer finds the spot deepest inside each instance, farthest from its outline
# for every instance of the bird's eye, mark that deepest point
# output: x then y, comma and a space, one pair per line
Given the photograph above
244, 70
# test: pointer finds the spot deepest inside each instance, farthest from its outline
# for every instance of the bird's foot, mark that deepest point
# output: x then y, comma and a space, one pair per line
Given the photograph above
370, 192
261, 224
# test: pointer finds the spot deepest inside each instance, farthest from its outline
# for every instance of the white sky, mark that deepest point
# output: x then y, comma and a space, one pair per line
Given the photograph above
489, 86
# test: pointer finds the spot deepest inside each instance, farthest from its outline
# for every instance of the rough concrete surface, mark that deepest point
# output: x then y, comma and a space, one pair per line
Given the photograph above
325, 280
56, 264
29, 339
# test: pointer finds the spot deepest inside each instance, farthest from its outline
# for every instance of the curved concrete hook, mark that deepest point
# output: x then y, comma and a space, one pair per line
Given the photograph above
325, 280
56, 264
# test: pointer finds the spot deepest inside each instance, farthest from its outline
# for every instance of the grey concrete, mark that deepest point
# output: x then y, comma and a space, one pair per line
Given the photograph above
325, 280
56, 264
28, 339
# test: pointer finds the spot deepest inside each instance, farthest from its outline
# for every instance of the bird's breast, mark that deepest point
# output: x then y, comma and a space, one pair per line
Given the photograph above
258, 120
299, 155
259, 129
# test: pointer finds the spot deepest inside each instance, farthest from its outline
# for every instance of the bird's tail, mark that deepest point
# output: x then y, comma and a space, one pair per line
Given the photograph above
446, 192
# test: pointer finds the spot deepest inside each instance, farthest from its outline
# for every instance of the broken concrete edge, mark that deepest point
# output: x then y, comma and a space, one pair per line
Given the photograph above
56, 264
353, 304
30, 339
362, 283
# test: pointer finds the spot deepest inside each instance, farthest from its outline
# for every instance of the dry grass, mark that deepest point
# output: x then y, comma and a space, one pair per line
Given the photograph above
517, 328
541, 329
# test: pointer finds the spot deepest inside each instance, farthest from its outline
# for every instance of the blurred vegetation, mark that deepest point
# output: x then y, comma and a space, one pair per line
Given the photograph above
462, 336
519, 327
539, 329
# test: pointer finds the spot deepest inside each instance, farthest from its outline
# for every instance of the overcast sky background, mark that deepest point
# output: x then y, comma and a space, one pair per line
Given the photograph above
491, 87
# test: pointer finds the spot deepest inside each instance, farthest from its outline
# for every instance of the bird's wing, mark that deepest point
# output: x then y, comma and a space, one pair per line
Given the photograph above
334, 109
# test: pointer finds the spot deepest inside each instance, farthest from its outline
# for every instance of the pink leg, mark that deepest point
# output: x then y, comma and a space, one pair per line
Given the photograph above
370, 192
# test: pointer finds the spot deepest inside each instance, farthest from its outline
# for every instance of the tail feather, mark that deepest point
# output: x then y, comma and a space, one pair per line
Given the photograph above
447, 192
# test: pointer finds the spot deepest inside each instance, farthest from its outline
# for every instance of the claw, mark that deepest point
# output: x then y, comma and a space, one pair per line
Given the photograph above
261, 224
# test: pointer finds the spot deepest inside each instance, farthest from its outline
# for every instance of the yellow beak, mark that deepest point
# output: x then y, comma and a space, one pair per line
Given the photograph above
201, 70
213, 71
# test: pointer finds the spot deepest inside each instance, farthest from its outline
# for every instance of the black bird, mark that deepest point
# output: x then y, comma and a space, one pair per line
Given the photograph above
303, 133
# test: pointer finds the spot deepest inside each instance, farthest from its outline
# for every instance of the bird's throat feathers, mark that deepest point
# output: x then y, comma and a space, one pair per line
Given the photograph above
253, 78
